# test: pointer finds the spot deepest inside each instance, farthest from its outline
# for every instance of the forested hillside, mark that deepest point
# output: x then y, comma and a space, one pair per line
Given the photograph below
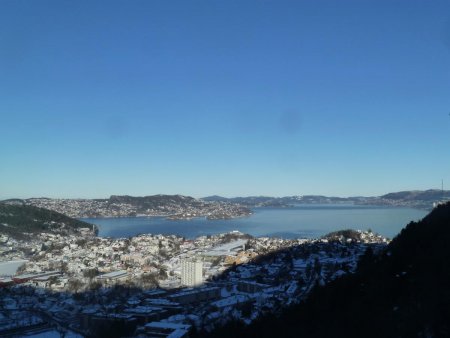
403, 292
22, 220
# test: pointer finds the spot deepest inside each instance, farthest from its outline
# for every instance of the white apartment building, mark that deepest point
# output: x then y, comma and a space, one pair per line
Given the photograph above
191, 272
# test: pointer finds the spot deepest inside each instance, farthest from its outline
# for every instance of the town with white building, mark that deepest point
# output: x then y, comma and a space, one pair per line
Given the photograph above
160, 285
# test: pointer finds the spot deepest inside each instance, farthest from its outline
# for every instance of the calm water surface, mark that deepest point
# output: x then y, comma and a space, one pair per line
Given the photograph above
303, 221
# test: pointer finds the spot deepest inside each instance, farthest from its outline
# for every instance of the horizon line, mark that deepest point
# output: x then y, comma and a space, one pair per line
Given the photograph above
217, 195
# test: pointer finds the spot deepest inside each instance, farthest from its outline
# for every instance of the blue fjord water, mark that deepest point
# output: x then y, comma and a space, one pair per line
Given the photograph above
302, 221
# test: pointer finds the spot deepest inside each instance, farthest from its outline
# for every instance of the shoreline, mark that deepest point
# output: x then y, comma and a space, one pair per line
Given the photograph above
290, 207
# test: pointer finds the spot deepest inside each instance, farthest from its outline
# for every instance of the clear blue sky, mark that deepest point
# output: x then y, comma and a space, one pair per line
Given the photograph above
223, 97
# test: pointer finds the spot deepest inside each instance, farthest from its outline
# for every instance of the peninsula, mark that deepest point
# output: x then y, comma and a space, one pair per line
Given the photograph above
171, 206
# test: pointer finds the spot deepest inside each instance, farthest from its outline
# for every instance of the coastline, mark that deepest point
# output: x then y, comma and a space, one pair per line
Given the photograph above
307, 220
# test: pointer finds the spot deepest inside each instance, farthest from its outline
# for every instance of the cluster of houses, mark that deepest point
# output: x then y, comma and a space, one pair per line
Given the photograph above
185, 208
166, 285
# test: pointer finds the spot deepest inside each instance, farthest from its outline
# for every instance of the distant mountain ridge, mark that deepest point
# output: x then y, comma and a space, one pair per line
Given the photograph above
155, 201
217, 207
173, 206
422, 199
267, 201
426, 195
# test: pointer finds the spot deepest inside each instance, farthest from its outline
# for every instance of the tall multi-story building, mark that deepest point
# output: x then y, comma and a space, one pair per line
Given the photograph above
191, 272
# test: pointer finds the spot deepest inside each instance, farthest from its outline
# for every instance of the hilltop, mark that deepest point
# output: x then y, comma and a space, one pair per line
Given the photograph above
21, 221
216, 207
173, 206
418, 195
401, 292
414, 199
287, 201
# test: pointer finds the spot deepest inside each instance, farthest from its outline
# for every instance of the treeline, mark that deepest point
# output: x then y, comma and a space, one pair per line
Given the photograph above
15, 220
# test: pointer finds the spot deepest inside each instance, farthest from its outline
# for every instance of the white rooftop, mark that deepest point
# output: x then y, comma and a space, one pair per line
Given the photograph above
114, 274
226, 248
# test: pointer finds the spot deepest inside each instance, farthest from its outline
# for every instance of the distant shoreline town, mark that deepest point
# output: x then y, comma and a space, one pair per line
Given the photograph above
178, 207
174, 207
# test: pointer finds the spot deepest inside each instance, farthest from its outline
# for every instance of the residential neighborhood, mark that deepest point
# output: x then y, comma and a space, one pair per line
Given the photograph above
171, 206
163, 283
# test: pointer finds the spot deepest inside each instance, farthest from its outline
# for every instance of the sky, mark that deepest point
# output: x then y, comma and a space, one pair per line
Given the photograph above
235, 98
